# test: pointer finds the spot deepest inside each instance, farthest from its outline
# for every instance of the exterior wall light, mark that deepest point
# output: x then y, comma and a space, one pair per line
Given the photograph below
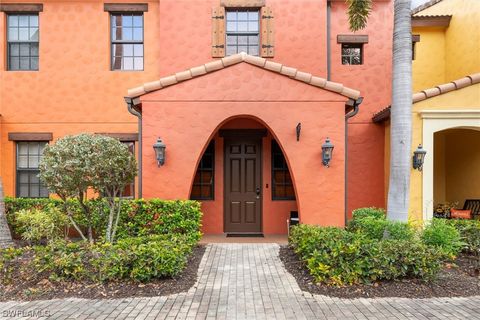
327, 150
159, 148
419, 157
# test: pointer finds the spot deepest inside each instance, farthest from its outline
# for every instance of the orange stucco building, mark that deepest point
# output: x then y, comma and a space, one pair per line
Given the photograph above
242, 92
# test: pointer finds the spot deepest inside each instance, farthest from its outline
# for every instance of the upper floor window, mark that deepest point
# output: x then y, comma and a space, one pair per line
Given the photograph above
29, 154
127, 41
203, 184
22, 41
242, 31
352, 53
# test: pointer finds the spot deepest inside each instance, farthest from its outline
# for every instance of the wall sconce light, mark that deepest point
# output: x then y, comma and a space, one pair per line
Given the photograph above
159, 148
419, 157
327, 150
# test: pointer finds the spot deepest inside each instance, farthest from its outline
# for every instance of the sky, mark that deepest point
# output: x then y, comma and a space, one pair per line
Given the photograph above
416, 3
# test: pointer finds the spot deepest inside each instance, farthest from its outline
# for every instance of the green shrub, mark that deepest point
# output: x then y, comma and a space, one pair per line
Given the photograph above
374, 228
137, 218
469, 233
7, 263
440, 234
139, 259
36, 225
372, 212
339, 257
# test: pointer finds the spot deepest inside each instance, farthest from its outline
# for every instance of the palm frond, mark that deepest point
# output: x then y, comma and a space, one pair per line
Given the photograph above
358, 12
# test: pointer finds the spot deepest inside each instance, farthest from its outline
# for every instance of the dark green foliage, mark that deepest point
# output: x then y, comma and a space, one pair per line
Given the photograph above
444, 236
372, 223
469, 233
339, 257
140, 259
371, 212
137, 217
358, 12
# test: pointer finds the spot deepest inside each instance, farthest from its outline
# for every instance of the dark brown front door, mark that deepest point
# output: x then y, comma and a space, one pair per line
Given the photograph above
243, 184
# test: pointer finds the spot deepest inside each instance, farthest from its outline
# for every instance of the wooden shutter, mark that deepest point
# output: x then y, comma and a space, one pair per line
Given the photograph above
218, 32
268, 34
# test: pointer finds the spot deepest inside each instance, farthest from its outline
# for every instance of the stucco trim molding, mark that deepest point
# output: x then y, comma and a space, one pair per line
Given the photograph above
125, 7
242, 3
262, 63
450, 114
30, 136
125, 137
21, 7
435, 121
352, 38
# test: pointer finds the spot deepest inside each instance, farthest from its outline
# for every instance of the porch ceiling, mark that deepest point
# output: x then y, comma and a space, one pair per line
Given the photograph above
239, 58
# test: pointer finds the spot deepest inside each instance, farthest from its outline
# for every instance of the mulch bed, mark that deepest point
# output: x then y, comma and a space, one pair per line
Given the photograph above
460, 279
40, 288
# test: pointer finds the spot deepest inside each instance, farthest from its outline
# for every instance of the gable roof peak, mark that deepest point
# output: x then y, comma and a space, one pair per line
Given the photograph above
228, 61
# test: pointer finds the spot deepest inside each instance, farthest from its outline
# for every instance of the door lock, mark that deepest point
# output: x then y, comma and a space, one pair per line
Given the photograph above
258, 192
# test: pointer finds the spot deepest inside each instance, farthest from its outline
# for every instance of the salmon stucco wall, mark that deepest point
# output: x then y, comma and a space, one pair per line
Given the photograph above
74, 89
199, 107
366, 185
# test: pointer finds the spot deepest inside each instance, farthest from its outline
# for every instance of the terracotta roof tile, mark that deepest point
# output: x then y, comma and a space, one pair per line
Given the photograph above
288, 71
168, 81
238, 58
432, 92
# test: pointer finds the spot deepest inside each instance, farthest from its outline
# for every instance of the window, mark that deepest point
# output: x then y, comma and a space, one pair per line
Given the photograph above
242, 31
282, 185
28, 159
129, 191
352, 53
203, 184
127, 41
22, 38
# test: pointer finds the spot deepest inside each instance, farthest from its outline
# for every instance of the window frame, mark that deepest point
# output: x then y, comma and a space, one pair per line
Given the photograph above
242, 33
211, 144
9, 42
285, 168
352, 45
132, 42
29, 170
129, 143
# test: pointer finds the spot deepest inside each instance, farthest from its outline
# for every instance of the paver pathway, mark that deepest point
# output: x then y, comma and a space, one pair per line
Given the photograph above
245, 281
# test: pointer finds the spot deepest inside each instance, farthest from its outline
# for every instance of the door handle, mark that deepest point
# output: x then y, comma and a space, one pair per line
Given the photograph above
258, 192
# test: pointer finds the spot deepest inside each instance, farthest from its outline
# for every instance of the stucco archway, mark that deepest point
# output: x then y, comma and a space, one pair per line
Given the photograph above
274, 211
435, 121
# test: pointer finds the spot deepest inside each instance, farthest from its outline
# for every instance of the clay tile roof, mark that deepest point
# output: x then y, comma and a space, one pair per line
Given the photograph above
425, 6
425, 94
263, 63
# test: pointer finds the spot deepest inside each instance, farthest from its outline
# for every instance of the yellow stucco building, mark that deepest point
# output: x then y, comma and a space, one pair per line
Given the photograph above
446, 105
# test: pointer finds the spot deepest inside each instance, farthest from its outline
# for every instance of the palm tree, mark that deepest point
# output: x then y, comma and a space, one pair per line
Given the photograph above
401, 111
5, 235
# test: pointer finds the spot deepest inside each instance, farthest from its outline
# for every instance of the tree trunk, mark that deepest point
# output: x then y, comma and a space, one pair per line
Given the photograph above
401, 114
5, 234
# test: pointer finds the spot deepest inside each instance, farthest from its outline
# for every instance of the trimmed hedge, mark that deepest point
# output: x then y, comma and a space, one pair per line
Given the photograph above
140, 259
338, 257
138, 217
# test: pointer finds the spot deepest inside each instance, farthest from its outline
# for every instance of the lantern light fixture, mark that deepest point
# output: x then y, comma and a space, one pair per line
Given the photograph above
159, 148
327, 151
419, 157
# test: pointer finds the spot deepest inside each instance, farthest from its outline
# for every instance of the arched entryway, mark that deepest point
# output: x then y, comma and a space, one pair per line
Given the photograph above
456, 165
243, 180
451, 139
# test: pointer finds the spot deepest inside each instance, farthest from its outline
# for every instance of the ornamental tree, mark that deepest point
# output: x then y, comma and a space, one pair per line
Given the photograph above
76, 164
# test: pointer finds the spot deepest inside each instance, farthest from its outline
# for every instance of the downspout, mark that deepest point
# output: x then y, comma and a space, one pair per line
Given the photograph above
329, 8
351, 114
132, 110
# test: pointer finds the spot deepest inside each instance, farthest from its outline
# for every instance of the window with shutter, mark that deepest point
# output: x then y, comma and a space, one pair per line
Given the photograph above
243, 29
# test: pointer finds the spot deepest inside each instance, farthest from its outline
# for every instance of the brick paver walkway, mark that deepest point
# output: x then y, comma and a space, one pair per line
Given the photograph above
246, 281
